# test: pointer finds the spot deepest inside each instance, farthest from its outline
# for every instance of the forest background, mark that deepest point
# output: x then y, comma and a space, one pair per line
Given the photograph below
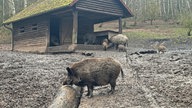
178, 12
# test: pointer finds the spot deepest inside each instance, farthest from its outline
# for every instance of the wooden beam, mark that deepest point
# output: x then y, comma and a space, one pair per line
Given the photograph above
99, 12
75, 26
120, 25
62, 12
12, 40
48, 35
12, 36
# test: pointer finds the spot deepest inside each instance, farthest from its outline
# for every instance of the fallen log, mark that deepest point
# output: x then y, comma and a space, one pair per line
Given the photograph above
144, 52
67, 97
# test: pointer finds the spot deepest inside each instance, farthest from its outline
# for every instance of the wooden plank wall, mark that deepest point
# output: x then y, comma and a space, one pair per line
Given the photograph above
101, 6
31, 35
84, 26
64, 48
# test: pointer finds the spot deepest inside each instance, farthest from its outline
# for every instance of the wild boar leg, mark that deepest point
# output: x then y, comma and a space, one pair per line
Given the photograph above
113, 84
88, 93
90, 90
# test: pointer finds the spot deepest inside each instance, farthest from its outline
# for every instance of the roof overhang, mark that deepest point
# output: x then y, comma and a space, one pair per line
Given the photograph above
31, 11
39, 8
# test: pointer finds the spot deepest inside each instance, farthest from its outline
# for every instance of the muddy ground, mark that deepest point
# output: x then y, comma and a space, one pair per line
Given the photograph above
151, 80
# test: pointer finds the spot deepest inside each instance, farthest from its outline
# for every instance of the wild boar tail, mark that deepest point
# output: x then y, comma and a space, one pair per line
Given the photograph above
122, 73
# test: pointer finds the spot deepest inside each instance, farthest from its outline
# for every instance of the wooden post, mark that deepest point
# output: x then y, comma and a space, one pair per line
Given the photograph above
47, 35
120, 25
47, 39
75, 26
12, 36
12, 40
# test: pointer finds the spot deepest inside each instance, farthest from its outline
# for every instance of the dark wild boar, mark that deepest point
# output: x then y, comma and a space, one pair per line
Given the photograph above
94, 72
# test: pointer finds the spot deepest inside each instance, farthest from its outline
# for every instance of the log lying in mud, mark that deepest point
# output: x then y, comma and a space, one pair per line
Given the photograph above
144, 52
67, 97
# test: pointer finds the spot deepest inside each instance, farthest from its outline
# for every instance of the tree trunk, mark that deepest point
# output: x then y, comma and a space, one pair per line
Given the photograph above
135, 20
168, 7
179, 6
164, 8
12, 7
151, 22
124, 24
160, 10
125, 1
182, 5
25, 3
171, 6
188, 5
189, 32
3, 10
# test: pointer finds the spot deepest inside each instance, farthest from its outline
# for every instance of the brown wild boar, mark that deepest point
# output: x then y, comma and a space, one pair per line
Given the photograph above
121, 48
119, 39
105, 44
94, 72
160, 47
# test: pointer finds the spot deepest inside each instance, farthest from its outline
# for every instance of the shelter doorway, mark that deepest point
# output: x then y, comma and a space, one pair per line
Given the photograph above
54, 31
66, 30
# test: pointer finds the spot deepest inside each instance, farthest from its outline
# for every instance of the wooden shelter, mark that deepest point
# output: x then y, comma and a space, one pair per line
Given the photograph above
52, 25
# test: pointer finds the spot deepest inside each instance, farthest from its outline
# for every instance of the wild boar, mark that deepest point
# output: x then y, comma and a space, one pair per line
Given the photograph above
161, 48
119, 39
105, 44
121, 48
94, 72
72, 48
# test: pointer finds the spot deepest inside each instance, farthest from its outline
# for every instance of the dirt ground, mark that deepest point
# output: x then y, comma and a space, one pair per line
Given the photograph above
151, 80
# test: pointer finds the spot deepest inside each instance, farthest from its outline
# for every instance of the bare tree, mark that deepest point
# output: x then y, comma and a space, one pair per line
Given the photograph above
11, 4
3, 10
186, 21
25, 3
160, 9
166, 9
152, 10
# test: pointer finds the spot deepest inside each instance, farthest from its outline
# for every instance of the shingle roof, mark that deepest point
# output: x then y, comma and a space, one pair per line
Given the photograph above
45, 6
39, 7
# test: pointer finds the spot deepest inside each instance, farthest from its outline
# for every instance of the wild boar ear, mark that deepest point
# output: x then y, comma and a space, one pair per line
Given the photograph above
70, 72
